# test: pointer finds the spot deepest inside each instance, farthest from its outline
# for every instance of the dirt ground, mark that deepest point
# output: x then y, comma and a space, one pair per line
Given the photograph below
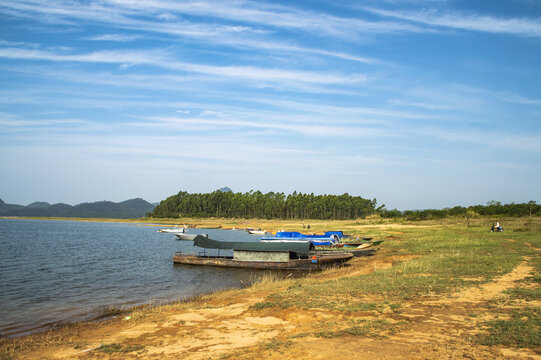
225, 327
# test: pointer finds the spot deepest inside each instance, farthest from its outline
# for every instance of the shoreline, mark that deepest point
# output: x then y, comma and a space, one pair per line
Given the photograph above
384, 306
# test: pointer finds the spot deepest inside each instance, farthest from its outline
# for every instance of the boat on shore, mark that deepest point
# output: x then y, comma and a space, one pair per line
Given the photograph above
259, 255
357, 252
358, 244
364, 252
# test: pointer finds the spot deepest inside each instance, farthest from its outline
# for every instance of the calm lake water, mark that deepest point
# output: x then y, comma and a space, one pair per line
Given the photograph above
56, 272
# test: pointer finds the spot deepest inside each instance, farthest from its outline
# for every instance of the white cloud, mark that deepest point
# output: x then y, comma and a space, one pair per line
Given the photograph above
114, 37
14, 122
161, 59
319, 130
490, 139
529, 27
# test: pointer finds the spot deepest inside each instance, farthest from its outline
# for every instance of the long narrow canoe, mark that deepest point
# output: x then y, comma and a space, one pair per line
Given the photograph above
314, 263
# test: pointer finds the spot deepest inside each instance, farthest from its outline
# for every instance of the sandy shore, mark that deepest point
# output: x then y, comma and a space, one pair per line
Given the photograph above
226, 325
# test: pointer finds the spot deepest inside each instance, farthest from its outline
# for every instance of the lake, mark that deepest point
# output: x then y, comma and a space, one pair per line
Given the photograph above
54, 272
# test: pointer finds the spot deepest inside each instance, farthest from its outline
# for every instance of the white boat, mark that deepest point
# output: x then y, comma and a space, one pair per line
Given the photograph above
184, 236
173, 230
257, 231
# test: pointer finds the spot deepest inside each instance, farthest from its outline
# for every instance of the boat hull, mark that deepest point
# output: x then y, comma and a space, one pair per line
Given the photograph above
321, 262
185, 236
173, 230
364, 252
257, 232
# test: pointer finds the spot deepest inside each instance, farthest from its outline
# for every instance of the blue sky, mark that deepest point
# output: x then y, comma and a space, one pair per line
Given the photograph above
419, 104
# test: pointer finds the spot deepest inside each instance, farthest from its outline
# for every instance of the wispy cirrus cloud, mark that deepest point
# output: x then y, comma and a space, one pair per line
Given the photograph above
320, 130
527, 27
148, 17
267, 15
508, 141
113, 37
248, 17
162, 59
13, 122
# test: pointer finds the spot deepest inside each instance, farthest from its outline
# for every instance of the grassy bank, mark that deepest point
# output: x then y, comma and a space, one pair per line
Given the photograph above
484, 286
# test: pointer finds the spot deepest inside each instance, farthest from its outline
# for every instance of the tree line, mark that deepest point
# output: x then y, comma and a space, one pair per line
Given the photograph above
277, 205
492, 208
255, 204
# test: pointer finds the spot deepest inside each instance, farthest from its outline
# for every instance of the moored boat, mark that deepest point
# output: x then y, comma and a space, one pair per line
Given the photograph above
295, 234
185, 236
174, 230
357, 244
357, 252
256, 231
329, 238
258, 255
364, 252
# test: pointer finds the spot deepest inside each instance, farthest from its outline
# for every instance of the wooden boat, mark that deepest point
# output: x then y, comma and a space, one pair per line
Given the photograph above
363, 243
354, 252
364, 252
257, 255
315, 263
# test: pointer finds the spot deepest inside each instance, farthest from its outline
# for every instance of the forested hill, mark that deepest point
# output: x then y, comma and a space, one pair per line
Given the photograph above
270, 205
129, 209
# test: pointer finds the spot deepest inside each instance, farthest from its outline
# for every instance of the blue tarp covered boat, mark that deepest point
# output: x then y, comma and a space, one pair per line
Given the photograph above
329, 238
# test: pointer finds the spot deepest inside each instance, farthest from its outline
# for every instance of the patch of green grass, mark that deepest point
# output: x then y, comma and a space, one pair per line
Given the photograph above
374, 328
299, 335
358, 306
275, 344
262, 305
524, 293
523, 329
119, 348
233, 355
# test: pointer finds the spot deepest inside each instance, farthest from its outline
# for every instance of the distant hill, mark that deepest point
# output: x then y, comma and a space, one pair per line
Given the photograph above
129, 209
39, 205
225, 189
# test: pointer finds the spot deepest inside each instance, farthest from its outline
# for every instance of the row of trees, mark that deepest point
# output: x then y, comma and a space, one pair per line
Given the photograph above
255, 204
270, 206
492, 208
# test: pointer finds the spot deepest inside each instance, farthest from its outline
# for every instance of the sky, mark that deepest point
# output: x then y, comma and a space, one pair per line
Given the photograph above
416, 103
